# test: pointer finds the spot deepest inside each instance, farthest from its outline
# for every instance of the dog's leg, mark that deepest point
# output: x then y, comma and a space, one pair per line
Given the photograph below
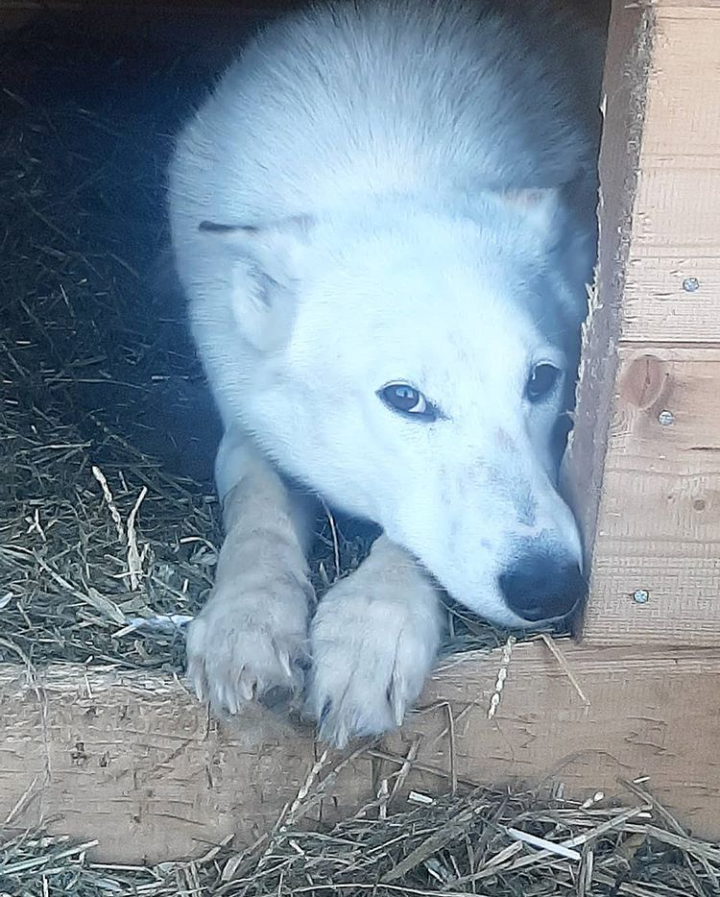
250, 639
374, 638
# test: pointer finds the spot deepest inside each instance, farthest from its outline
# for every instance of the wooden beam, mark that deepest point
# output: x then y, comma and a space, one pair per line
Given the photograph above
132, 760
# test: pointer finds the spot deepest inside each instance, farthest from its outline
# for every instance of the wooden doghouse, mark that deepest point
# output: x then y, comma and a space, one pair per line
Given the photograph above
134, 761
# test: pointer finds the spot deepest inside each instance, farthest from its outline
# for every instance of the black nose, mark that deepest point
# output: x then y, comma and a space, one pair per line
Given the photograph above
538, 587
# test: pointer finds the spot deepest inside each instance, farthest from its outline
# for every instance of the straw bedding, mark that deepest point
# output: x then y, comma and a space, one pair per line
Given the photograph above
488, 843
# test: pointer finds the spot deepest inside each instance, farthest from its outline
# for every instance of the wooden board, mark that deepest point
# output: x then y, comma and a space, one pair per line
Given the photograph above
659, 529
676, 221
132, 760
627, 61
656, 526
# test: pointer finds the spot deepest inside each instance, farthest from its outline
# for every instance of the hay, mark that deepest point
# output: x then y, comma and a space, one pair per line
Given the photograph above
109, 529
490, 843
87, 362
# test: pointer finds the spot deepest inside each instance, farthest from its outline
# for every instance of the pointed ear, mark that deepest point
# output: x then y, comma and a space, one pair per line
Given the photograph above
264, 264
541, 207
275, 248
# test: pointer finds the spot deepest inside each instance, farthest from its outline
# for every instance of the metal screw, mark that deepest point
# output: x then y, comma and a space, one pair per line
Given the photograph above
691, 284
666, 418
641, 596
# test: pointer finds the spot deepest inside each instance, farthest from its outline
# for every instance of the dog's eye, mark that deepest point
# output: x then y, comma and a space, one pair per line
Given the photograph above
408, 401
541, 382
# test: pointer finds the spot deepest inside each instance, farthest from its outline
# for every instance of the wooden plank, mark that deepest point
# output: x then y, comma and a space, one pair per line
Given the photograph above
682, 123
673, 278
132, 760
695, 9
627, 60
659, 527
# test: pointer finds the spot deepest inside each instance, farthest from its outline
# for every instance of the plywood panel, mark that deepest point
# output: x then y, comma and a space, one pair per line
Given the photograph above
673, 275
132, 760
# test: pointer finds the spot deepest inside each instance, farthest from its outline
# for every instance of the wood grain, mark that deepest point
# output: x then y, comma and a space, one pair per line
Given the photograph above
659, 527
628, 57
676, 220
133, 761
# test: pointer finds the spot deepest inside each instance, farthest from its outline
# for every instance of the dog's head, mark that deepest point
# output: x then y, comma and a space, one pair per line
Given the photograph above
413, 366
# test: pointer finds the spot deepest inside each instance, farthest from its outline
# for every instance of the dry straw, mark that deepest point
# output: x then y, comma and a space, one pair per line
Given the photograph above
488, 843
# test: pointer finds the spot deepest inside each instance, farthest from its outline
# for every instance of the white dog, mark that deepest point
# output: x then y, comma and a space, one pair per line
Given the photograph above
384, 221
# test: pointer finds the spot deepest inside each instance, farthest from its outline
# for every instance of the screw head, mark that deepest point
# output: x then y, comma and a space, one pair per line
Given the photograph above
666, 418
691, 284
641, 596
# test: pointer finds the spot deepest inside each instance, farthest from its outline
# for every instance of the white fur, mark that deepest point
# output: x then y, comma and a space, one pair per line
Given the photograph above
374, 639
404, 191
252, 636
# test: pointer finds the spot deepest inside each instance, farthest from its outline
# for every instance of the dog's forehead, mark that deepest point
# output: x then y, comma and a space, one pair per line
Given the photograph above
452, 350
453, 291
433, 311
472, 333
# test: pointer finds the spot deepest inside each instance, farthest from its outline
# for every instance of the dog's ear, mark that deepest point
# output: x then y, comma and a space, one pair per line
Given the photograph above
541, 207
262, 265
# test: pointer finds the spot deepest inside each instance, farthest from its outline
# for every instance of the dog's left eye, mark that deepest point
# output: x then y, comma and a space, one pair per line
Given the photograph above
541, 382
408, 401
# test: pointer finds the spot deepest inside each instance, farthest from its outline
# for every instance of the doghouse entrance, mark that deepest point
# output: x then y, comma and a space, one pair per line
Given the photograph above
108, 524
110, 512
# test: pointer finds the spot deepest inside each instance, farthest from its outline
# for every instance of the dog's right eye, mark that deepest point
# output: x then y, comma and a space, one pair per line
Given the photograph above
408, 401
541, 382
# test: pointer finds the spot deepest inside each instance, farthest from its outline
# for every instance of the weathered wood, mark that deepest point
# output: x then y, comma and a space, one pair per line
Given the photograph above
658, 529
132, 760
627, 59
676, 223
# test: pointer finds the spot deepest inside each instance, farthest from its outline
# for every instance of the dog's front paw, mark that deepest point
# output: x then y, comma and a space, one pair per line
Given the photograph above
250, 643
373, 646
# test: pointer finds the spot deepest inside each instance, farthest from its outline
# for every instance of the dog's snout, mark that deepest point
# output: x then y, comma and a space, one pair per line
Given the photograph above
540, 587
